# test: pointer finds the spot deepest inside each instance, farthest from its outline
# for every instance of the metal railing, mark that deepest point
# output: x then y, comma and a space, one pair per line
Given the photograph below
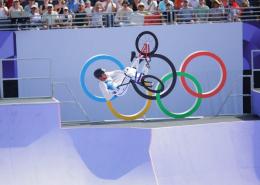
35, 77
26, 77
254, 69
71, 100
84, 20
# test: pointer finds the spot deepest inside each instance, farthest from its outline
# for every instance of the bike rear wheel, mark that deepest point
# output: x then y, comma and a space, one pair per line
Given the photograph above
148, 82
166, 91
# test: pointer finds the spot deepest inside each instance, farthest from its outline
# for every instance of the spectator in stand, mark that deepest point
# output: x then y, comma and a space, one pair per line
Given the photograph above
109, 6
28, 7
73, 5
247, 13
202, 11
170, 13
88, 7
8, 3
164, 7
178, 4
239, 2
97, 15
135, 4
44, 6
163, 3
119, 4
255, 3
123, 14
186, 13
209, 3
17, 15
66, 18
88, 10
35, 17
59, 8
217, 12
224, 3
234, 11
3, 10
137, 17
16, 10
50, 18
194, 3
151, 6
141, 9
80, 16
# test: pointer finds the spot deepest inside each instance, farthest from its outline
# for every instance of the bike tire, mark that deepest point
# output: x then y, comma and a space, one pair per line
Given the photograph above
150, 89
137, 40
171, 86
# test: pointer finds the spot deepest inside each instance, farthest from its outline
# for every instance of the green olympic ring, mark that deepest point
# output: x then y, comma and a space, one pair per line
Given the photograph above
190, 111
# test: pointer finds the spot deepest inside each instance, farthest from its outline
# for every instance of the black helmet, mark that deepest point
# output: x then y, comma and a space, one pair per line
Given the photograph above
98, 72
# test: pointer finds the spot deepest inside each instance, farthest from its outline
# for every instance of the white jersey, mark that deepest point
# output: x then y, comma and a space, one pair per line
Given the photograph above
116, 77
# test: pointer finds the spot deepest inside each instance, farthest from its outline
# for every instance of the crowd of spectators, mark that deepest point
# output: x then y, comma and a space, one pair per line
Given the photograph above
78, 13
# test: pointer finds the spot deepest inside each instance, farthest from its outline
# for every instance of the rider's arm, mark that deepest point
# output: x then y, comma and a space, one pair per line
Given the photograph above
106, 93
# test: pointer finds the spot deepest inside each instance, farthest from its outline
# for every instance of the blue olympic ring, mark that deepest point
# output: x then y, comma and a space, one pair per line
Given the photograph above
84, 70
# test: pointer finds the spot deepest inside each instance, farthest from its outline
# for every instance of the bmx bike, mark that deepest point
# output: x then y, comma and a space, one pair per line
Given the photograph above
146, 44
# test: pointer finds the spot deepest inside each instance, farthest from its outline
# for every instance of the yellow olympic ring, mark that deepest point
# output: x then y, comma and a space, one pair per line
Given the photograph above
131, 117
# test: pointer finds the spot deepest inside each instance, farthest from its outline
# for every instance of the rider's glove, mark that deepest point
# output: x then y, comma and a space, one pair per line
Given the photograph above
110, 85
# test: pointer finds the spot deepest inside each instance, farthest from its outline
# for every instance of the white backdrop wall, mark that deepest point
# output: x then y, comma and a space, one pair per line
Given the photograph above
70, 49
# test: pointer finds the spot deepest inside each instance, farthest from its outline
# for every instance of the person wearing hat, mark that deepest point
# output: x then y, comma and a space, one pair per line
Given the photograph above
66, 18
50, 17
141, 9
35, 17
27, 8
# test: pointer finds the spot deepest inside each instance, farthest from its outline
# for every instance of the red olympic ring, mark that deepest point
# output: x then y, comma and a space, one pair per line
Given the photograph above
221, 82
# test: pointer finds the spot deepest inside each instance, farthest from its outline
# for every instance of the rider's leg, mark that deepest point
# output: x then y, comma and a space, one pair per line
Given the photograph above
145, 69
135, 63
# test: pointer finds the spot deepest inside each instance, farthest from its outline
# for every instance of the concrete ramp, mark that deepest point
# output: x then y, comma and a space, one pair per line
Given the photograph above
34, 149
215, 154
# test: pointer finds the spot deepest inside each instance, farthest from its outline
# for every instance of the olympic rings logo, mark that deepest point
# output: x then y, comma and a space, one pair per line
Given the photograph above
157, 96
